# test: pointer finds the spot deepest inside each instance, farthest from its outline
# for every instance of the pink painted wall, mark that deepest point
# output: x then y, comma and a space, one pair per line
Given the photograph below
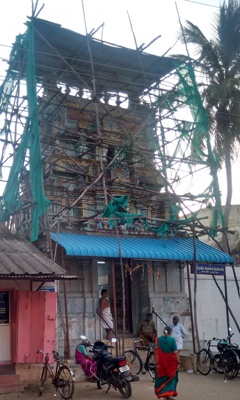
35, 325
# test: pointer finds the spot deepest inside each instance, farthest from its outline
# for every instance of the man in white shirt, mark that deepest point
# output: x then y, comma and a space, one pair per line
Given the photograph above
178, 332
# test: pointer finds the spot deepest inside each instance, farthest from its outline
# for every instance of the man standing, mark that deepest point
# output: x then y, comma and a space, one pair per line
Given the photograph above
178, 332
105, 313
147, 329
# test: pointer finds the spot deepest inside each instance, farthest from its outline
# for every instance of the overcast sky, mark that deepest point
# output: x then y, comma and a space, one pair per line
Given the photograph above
149, 19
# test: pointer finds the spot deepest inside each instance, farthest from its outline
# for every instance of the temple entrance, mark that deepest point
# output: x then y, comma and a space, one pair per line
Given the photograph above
110, 278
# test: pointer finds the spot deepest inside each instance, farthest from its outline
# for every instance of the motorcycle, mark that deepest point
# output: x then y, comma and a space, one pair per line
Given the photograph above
111, 371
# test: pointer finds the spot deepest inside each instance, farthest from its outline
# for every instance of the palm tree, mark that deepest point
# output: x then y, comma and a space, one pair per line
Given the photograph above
219, 60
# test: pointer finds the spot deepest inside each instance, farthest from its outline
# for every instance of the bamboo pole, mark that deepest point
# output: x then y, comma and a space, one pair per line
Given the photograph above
195, 288
113, 281
123, 289
87, 188
230, 311
96, 106
191, 307
67, 342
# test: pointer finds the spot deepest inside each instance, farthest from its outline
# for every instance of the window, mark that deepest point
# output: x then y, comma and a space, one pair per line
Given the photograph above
4, 308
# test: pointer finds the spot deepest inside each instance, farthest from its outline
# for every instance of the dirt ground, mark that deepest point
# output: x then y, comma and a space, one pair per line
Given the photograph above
190, 387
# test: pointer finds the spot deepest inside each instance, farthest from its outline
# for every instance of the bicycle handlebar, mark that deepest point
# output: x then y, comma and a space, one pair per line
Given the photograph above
145, 344
228, 337
54, 352
56, 355
141, 340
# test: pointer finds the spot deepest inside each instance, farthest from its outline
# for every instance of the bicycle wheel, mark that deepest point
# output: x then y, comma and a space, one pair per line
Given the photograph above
230, 363
134, 361
217, 363
43, 380
125, 388
65, 383
151, 364
204, 362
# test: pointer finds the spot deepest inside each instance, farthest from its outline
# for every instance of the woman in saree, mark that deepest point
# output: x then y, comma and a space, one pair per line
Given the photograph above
167, 360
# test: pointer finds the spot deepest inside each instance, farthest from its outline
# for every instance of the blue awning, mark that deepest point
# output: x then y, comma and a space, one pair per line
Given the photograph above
180, 249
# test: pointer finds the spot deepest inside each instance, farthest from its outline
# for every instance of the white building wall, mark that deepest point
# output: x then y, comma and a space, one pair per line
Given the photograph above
211, 309
234, 218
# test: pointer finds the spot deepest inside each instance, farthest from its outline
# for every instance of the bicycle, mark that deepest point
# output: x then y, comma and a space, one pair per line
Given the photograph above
62, 378
224, 362
135, 360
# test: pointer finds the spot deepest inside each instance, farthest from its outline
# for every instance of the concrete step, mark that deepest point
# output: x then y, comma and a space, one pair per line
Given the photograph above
10, 383
188, 361
9, 378
7, 369
13, 388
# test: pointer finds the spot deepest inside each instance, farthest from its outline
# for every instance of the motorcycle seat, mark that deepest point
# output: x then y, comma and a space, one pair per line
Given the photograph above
108, 359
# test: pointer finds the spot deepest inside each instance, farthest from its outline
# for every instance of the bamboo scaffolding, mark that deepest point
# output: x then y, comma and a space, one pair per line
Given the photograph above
146, 121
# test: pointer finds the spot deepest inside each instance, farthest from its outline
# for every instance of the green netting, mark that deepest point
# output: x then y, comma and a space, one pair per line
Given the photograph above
30, 143
185, 93
197, 133
117, 204
118, 215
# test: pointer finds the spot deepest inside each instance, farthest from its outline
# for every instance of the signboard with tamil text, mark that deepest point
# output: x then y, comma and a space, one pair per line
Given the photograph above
209, 269
46, 287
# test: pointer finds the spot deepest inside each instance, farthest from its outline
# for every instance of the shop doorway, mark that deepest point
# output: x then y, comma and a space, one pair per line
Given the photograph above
5, 328
110, 278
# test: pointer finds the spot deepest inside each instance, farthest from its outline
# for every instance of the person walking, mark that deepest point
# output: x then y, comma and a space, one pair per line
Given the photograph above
167, 363
105, 313
178, 332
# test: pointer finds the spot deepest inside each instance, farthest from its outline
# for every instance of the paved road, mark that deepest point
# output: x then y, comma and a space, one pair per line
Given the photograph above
190, 387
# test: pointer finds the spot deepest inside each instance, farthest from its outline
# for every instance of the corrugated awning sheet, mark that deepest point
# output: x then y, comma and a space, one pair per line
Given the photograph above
20, 258
40, 277
180, 249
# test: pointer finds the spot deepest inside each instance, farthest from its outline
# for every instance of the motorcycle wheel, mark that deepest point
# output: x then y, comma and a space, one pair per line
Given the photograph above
230, 363
125, 389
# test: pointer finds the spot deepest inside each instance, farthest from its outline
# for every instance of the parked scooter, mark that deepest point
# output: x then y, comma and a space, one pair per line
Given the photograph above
111, 371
